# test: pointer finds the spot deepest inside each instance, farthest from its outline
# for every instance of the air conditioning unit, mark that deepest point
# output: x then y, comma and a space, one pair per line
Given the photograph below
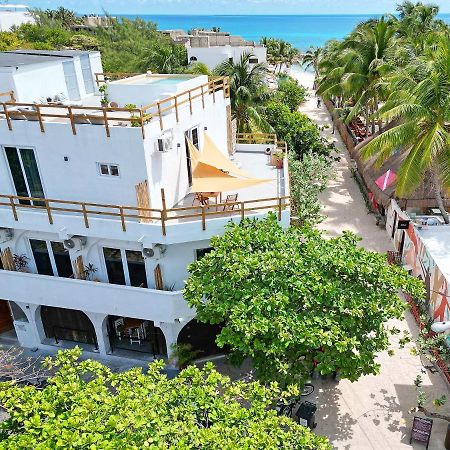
76, 243
164, 144
155, 252
6, 234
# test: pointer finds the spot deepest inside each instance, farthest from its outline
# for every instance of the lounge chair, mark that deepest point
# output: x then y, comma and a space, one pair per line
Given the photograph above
230, 202
97, 119
16, 115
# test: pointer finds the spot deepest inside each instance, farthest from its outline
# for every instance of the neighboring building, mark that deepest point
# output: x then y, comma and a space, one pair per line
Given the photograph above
98, 218
214, 47
416, 227
90, 22
14, 15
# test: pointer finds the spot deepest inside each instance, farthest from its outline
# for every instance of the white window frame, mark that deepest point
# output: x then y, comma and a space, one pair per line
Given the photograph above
123, 257
48, 243
109, 175
26, 147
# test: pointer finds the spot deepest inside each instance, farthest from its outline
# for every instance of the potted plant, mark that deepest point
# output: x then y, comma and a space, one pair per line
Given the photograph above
131, 107
104, 100
278, 158
182, 355
20, 262
89, 271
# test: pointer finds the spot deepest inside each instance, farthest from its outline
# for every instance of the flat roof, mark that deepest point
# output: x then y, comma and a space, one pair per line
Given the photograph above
11, 59
56, 53
437, 241
14, 58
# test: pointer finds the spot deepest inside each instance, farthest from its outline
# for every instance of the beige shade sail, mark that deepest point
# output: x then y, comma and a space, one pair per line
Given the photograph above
223, 177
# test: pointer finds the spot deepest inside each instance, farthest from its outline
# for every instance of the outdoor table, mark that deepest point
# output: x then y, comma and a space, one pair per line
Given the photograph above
215, 195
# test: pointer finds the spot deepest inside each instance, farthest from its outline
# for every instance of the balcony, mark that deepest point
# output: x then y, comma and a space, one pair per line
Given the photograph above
125, 88
184, 222
96, 297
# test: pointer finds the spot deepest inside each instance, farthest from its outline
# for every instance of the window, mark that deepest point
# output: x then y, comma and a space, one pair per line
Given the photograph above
108, 169
51, 258
193, 58
25, 173
201, 252
253, 60
125, 267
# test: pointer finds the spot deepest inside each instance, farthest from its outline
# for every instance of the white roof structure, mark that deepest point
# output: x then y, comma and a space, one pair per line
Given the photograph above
437, 242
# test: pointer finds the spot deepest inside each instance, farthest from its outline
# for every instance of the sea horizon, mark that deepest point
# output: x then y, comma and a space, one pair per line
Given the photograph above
301, 30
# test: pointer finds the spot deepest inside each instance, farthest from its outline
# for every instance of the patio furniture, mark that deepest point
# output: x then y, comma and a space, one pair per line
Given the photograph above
119, 327
207, 195
80, 118
230, 202
200, 199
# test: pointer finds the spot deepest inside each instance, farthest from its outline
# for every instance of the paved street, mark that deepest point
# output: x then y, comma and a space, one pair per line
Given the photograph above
372, 413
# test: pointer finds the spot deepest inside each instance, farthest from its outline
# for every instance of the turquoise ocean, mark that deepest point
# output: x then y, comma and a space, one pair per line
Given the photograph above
302, 31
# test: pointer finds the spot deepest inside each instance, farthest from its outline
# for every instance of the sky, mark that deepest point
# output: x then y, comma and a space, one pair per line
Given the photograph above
231, 7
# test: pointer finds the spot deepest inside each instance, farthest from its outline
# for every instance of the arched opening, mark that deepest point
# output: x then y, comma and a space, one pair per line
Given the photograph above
136, 335
202, 337
63, 324
193, 59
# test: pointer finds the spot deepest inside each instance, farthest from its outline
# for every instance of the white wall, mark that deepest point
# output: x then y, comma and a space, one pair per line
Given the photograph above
6, 81
9, 19
169, 170
213, 56
78, 178
31, 82
141, 92
39, 80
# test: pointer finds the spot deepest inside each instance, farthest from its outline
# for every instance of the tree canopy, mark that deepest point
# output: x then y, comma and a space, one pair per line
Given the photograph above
291, 300
85, 405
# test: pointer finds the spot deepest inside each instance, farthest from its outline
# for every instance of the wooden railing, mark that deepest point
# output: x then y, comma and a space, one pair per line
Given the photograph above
187, 97
261, 138
9, 94
111, 116
87, 211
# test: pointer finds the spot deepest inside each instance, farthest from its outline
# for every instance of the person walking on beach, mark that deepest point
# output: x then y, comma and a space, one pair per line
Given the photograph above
319, 102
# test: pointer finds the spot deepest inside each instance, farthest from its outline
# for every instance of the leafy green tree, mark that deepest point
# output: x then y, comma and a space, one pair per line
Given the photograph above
311, 60
86, 406
291, 299
10, 41
44, 37
420, 106
280, 52
299, 132
246, 83
290, 92
308, 177
60, 16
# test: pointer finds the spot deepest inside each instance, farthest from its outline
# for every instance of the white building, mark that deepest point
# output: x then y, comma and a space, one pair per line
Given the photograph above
214, 55
14, 15
215, 47
98, 220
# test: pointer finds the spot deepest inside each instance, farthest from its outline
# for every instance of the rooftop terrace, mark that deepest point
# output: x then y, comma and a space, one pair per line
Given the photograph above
154, 96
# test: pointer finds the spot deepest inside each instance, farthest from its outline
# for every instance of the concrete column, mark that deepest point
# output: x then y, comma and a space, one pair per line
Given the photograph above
100, 325
171, 332
30, 334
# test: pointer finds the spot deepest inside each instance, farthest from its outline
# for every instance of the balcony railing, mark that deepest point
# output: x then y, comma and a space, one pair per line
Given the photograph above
110, 116
261, 138
86, 211
9, 95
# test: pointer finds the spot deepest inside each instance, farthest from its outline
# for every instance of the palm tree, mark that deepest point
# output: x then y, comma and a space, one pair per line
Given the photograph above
246, 84
198, 68
420, 107
165, 58
363, 61
311, 60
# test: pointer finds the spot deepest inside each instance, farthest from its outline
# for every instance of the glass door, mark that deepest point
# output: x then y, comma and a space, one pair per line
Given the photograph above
114, 265
193, 136
41, 257
25, 174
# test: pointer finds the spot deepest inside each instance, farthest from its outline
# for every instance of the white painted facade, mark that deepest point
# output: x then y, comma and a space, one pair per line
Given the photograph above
35, 75
214, 55
13, 17
69, 170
